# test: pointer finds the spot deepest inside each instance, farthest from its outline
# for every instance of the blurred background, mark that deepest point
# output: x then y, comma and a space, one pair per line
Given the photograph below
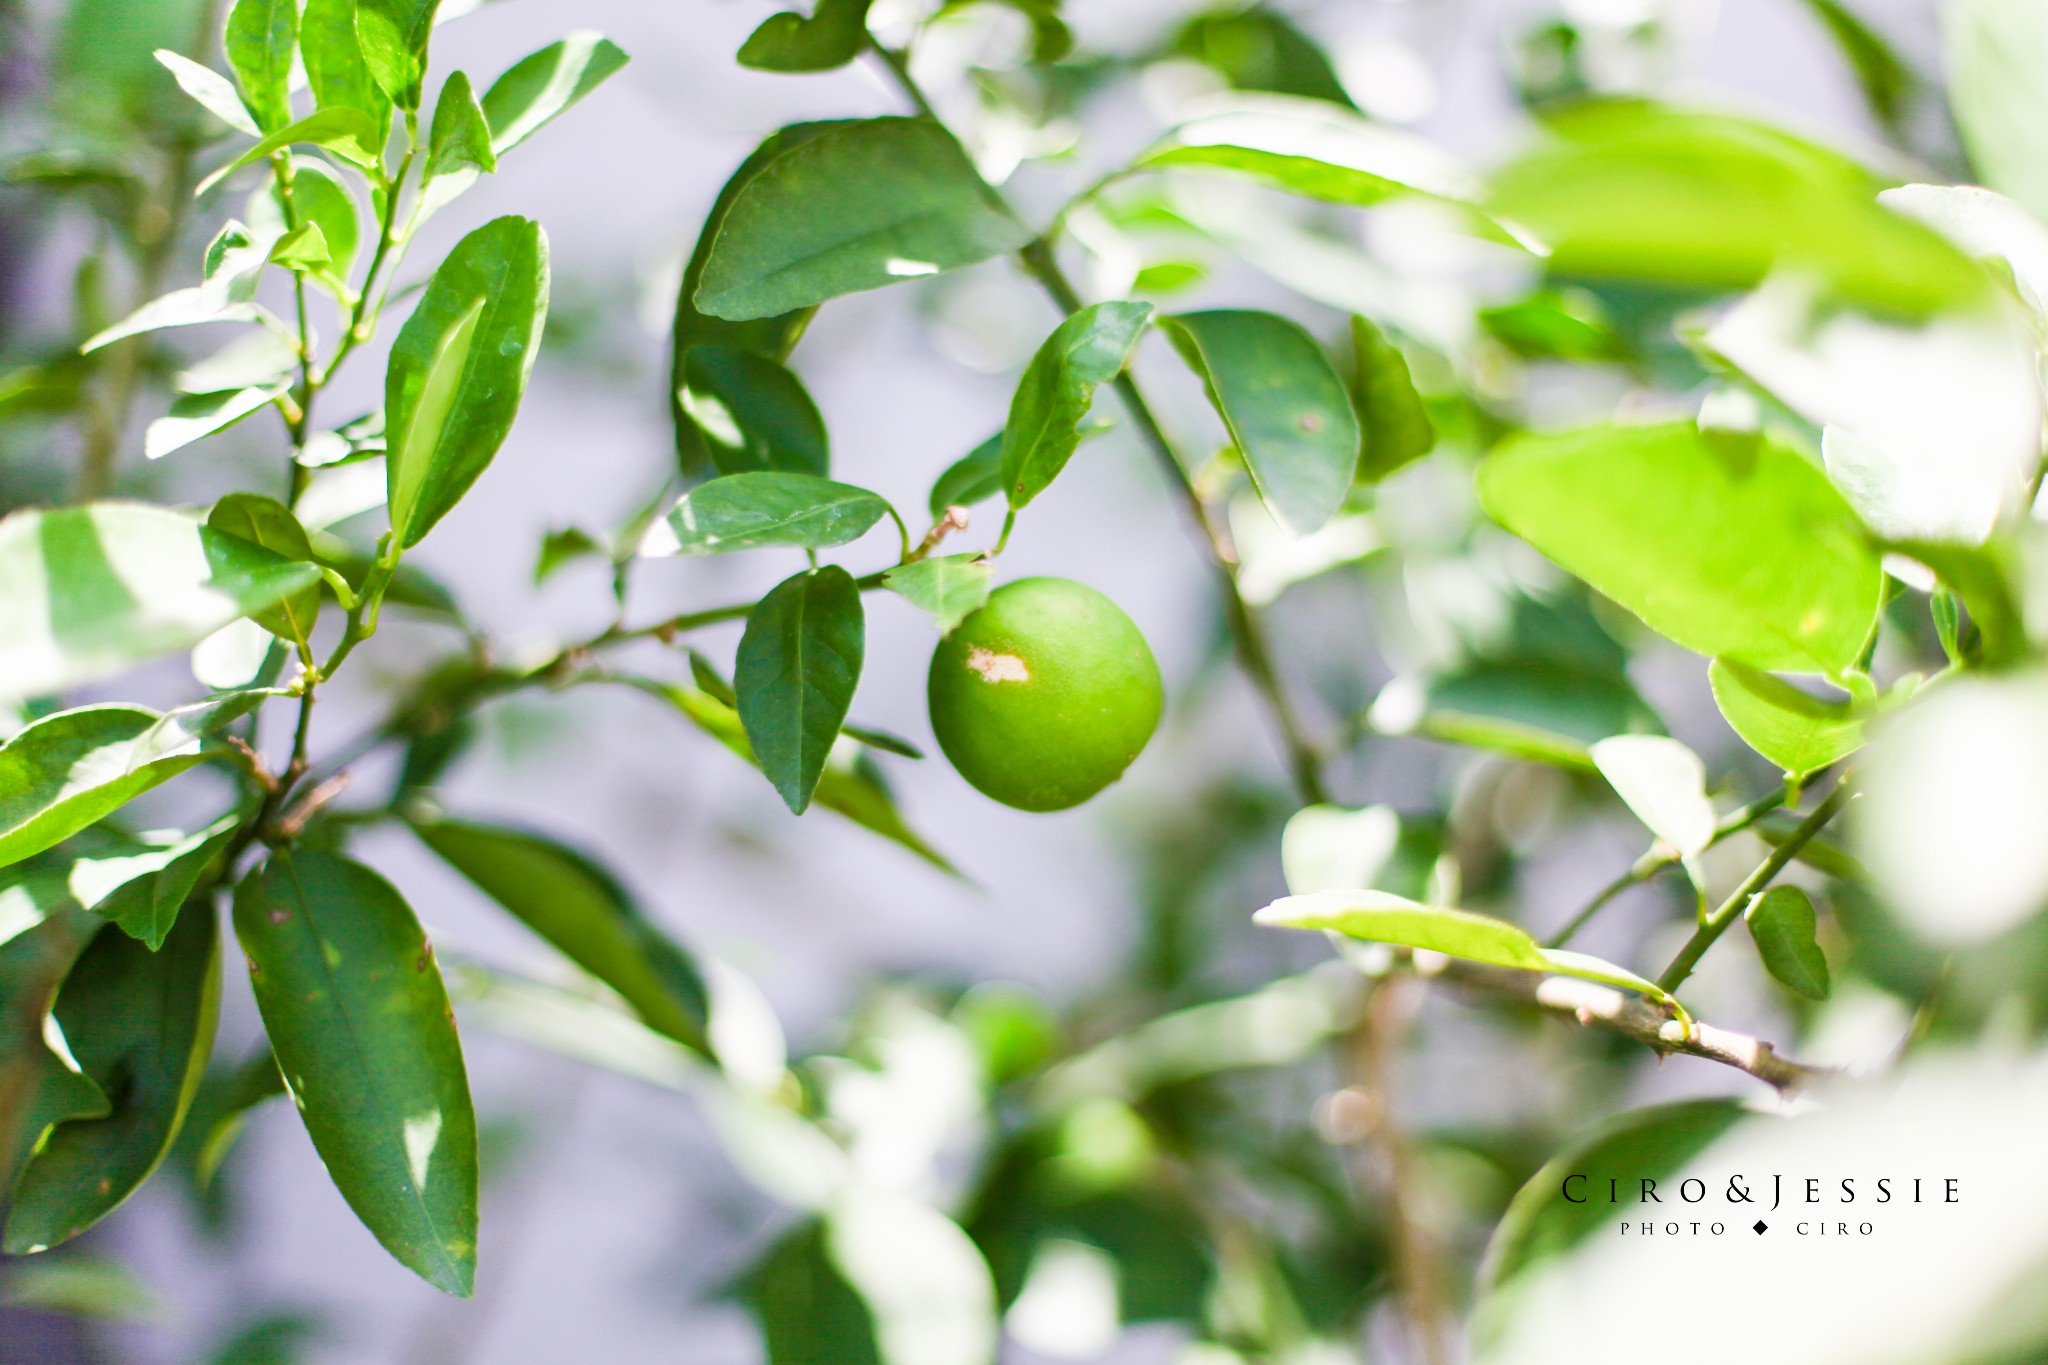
616, 1224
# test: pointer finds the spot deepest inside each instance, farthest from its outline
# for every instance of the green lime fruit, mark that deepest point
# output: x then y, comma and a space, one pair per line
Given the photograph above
1044, 696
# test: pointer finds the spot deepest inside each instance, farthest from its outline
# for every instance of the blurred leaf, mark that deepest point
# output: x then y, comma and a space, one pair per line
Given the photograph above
212, 90
303, 250
459, 369
82, 1285
542, 85
334, 62
360, 1022
348, 133
1731, 546
270, 524
1561, 324
748, 511
262, 38
949, 588
103, 88
881, 741
1781, 921
1259, 48
1664, 784
1996, 51
1886, 81
806, 1310
257, 358
856, 205
140, 1023
834, 35
581, 909
1796, 730
799, 662
220, 1110
38, 1086
1088, 349
459, 138
179, 308
752, 413
66, 770
152, 887
562, 547
195, 416
1284, 405
1395, 427
233, 266
1536, 709
974, 477
392, 36
275, 1338
1628, 189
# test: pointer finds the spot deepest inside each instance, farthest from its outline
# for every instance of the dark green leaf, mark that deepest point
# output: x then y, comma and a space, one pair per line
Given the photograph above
1397, 430
38, 1087
577, 906
212, 90
530, 95
67, 770
974, 477
1284, 405
393, 36
1995, 50
270, 524
881, 741
1782, 923
1796, 730
752, 413
1734, 546
1887, 82
262, 37
798, 665
856, 205
1044, 428
747, 511
949, 588
141, 1025
220, 1110
348, 133
804, 1306
834, 35
356, 1012
1257, 48
143, 891
195, 416
334, 62
460, 139
459, 368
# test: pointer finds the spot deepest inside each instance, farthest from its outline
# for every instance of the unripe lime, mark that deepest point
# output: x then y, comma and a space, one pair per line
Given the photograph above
1044, 696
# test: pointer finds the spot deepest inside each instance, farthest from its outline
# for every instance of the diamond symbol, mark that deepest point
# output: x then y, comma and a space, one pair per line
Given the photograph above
1760, 1226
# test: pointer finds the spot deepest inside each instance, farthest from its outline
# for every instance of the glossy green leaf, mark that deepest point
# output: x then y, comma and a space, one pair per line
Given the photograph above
270, 524
459, 369
459, 138
141, 1025
834, 34
1627, 189
975, 477
948, 588
334, 62
747, 511
1089, 349
752, 413
773, 337
1734, 546
214, 92
1285, 407
356, 1012
541, 86
262, 37
854, 206
319, 200
581, 909
1395, 425
799, 662
38, 1085
348, 133
1996, 51
66, 771
1782, 923
179, 308
1796, 730
143, 891
393, 37
195, 416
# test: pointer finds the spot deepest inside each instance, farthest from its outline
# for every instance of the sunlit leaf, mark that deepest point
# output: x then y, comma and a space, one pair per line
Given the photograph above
67, 770
459, 138
179, 308
1664, 784
195, 416
1996, 50
1796, 730
262, 37
393, 37
215, 93
348, 133
334, 62
747, 511
541, 86
143, 892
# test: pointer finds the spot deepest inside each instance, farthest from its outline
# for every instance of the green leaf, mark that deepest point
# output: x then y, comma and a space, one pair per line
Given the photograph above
1782, 923
195, 416
1732, 546
752, 413
1395, 425
1796, 730
1548, 711
334, 62
949, 588
581, 909
562, 547
1284, 405
1996, 52
747, 511
1664, 784
214, 92
1630, 190
303, 250
270, 524
854, 206
348, 133
799, 662
834, 35
179, 308
459, 368
393, 36
460, 138
143, 892
1887, 82
356, 1012
1044, 428
974, 477
262, 37
220, 1110
319, 200
65, 771
773, 337
1257, 48
82, 1285
141, 1024
543, 85
39, 1086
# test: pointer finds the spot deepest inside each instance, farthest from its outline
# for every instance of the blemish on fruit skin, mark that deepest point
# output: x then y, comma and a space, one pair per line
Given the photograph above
997, 668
